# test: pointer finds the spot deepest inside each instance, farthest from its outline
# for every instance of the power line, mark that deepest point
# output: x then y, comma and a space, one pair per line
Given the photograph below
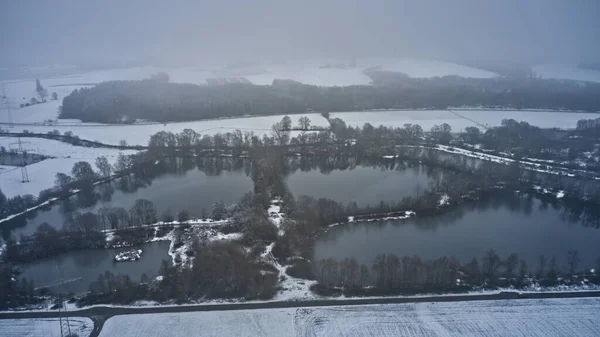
23, 156
7, 107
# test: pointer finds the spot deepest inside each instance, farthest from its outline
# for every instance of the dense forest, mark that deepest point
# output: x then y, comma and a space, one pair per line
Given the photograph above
158, 100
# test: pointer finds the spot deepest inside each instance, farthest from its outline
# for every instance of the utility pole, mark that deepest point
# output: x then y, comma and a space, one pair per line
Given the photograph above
23, 155
65, 327
6, 106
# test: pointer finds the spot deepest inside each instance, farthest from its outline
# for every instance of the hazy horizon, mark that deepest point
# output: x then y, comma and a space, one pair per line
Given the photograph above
86, 33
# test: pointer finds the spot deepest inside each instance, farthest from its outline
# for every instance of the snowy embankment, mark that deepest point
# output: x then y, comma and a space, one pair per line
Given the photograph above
528, 164
547, 317
45, 327
42, 174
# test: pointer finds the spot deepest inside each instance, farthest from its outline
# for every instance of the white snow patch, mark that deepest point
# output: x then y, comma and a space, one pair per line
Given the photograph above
444, 200
46, 327
55, 148
260, 322
139, 134
560, 194
547, 317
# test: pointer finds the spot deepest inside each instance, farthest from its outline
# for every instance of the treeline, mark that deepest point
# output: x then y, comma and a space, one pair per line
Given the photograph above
158, 100
390, 274
86, 230
566, 148
518, 92
221, 270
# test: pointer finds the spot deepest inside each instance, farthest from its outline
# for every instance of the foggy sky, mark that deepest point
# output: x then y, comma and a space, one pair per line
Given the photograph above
177, 32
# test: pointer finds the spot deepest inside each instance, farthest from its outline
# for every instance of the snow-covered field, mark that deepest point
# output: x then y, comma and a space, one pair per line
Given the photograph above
55, 148
139, 134
44, 327
566, 72
320, 72
429, 118
544, 318
425, 68
42, 174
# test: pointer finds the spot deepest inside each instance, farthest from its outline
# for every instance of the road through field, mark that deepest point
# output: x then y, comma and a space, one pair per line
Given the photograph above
100, 314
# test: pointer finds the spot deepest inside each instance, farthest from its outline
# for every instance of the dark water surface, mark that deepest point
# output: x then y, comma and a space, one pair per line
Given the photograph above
516, 223
74, 271
191, 191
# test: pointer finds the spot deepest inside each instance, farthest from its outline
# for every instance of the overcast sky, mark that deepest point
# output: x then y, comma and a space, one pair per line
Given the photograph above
84, 32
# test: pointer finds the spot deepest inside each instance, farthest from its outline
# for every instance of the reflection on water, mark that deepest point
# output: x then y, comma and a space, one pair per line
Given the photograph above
505, 222
176, 184
74, 271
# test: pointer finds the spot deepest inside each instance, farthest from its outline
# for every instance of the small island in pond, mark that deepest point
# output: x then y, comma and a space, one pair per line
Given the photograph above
130, 255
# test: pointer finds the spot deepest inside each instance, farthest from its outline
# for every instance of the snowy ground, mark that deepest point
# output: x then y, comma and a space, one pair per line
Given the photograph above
58, 149
290, 288
44, 327
567, 72
318, 72
41, 177
42, 174
547, 318
425, 68
429, 118
139, 134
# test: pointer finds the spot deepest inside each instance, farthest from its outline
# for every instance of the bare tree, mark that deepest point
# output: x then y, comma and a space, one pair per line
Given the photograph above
281, 134
522, 270
542, 265
286, 123
572, 262
110, 217
364, 275
167, 216
103, 166
552, 269
304, 122
183, 216
219, 211
491, 263
123, 163
143, 212
62, 180
82, 171
41, 91
472, 268
84, 223
511, 264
